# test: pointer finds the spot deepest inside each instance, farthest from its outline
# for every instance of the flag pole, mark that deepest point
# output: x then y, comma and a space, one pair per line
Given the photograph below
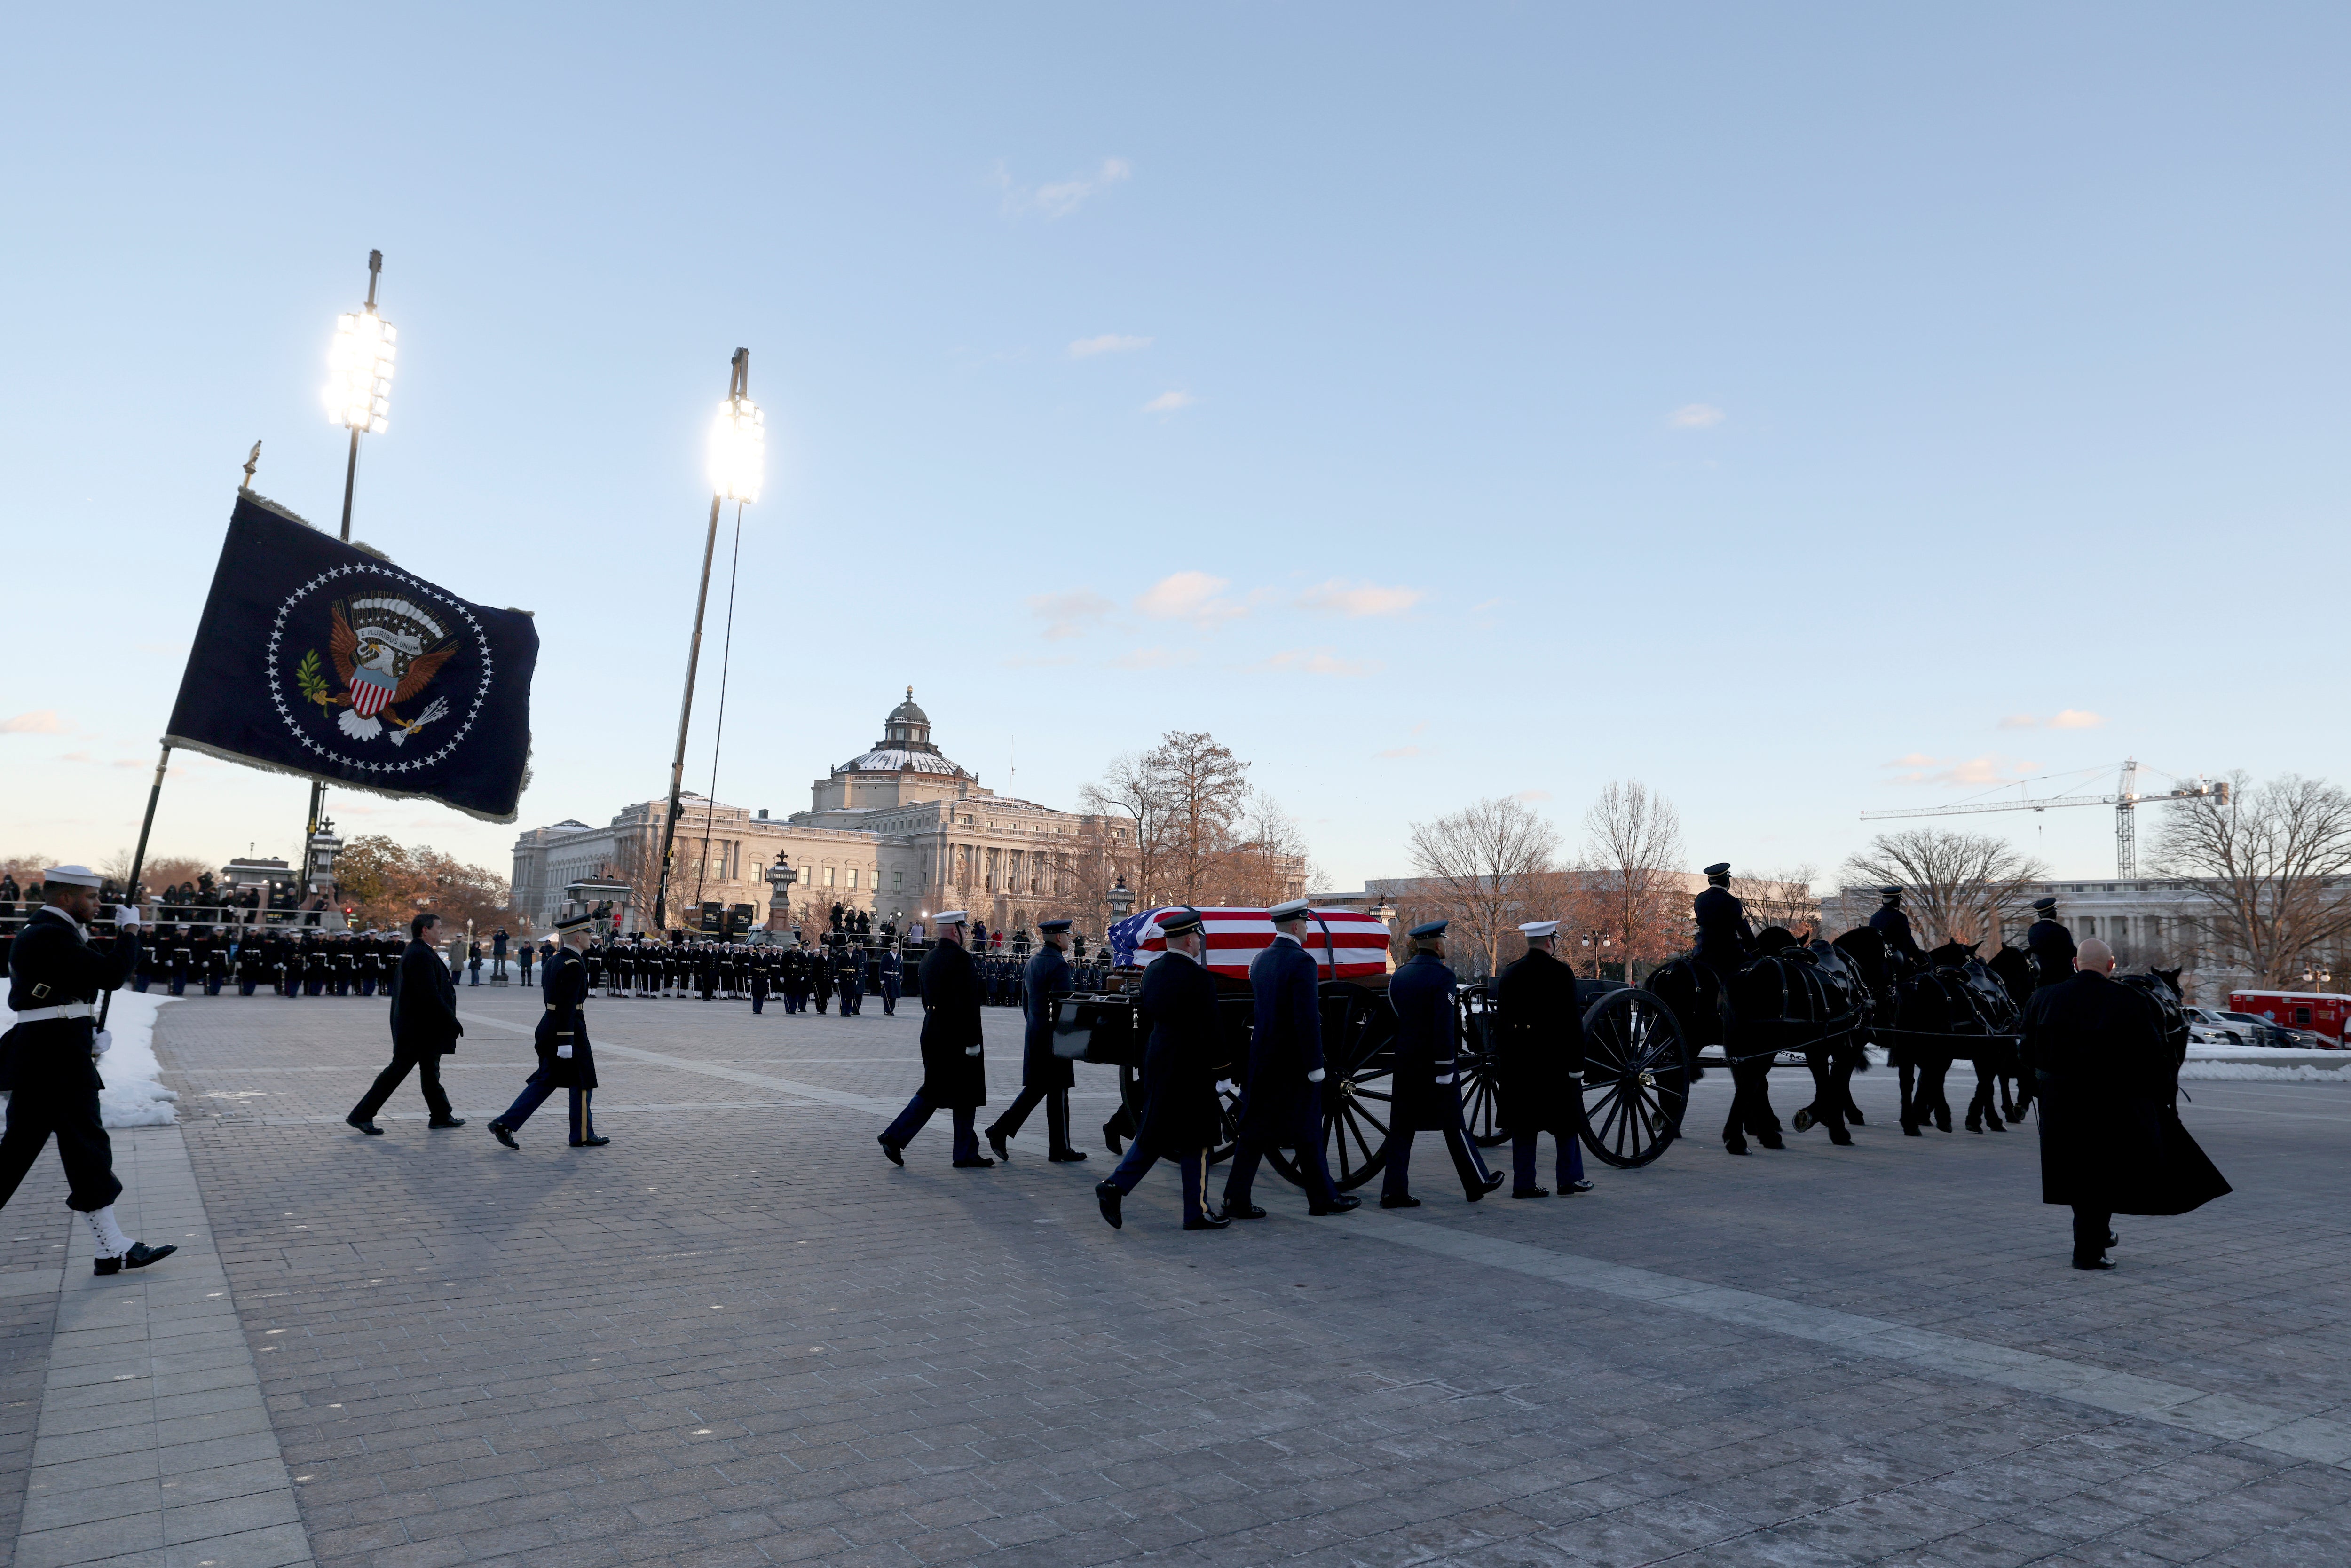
139, 855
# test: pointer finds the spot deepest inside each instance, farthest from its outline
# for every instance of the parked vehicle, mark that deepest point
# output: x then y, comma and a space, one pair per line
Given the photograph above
2262, 1032
2320, 1012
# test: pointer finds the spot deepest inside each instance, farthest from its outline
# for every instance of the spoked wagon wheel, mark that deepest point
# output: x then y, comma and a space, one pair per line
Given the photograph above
1636, 1075
1130, 1094
1358, 1052
1480, 1089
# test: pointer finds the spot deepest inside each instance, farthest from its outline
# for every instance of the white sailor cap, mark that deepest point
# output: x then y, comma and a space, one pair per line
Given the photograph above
70, 876
1295, 909
1533, 928
950, 917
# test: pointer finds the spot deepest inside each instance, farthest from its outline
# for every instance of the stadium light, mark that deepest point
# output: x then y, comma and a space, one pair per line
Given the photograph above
739, 450
358, 369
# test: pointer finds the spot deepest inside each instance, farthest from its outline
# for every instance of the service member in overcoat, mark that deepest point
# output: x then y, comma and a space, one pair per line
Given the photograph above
1282, 1102
2111, 1140
49, 1062
424, 1029
1725, 943
954, 1068
1539, 1061
820, 976
1183, 1054
566, 1059
1427, 1077
759, 985
2049, 945
1044, 1077
889, 966
849, 973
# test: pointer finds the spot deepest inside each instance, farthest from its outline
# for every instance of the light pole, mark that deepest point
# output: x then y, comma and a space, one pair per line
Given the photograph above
358, 395
780, 876
738, 456
1597, 940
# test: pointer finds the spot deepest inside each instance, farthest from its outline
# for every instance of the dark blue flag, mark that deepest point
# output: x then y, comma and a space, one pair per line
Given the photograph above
319, 659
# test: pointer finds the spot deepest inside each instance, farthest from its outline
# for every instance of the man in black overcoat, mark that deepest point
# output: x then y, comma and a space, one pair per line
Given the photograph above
48, 1060
2049, 945
1045, 1078
1725, 943
955, 1064
1427, 1075
1282, 1102
424, 1029
1183, 1052
566, 1059
1539, 1061
2111, 1141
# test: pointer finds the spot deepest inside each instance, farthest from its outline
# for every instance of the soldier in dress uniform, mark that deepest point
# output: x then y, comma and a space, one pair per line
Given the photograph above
759, 985
1281, 1100
182, 954
1427, 1076
1182, 1055
215, 960
1043, 1075
49, 1062
1539, 1061
566, 1060
2049, 945
887, 967
820, 976
955, 1067
523, 956
252, 962
1892, 923
792, 972
1725, 943
849, 973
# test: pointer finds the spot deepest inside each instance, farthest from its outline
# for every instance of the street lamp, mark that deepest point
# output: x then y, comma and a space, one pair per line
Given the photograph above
1597, 940
1120, 899
738, 447
780, 877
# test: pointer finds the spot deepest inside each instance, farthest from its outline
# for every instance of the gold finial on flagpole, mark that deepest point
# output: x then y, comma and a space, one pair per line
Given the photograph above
252, 461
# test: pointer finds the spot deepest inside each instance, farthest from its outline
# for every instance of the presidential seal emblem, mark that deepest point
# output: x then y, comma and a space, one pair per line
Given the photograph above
393, 643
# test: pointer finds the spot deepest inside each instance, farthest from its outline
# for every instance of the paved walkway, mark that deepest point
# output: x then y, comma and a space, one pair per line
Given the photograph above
738, 1335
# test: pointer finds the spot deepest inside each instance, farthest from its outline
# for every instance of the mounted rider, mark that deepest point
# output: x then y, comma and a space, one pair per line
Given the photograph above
2049, 945
1726, 942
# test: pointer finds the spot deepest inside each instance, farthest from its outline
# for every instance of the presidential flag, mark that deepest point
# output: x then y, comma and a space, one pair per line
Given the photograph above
320, 659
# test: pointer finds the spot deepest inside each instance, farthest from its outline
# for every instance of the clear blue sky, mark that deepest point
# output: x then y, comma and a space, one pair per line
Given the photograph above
1774, 404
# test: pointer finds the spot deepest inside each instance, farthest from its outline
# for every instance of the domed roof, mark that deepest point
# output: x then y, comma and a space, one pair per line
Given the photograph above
907, 712
904, 746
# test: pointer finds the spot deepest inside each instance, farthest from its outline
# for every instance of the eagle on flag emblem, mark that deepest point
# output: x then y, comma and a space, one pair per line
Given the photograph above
386, 650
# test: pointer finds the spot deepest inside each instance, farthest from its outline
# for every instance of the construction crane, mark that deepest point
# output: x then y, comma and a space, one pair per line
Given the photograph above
2126, 800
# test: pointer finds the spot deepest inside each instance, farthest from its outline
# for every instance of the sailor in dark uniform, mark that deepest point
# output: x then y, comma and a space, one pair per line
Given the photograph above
1281, 1102
566, 1060
820, 976
49, 1062
955, 1066
1044, 1077
1427, 1077
888, 966
849, 973
1182, 1055
1725, 943
759, 985
1539, 1063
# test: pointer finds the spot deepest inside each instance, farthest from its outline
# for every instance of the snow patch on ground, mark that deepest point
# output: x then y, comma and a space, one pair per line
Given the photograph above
134, 1095
2263, 1072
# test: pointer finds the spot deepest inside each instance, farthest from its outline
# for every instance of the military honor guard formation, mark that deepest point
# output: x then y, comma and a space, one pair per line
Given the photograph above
1222, 1061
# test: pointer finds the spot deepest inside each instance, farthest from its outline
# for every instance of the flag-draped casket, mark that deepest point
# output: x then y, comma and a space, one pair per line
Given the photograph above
1346, 943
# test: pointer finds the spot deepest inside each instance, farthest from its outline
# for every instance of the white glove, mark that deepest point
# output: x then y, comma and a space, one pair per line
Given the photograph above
125, 917
1315, 1077
101, 1043
971, 1050
563, 1051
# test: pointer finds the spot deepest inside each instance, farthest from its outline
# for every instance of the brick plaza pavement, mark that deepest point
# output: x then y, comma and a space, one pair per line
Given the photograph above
738, 1335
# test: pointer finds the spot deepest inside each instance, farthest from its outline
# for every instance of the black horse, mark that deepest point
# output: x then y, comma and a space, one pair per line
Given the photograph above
2014, 968
1955, 998
2162, 986
1786, 997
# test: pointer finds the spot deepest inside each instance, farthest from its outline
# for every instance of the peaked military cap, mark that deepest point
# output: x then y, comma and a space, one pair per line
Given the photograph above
1052, 926
1179, 922
1292, 909
570, 923
1433, 929
1719, 868
950, 917
1889, 893
2045, 907
1535, 928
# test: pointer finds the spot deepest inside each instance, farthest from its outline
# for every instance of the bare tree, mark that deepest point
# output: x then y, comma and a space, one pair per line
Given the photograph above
2269, 862
1632, 873
1782, 898
1267, 861
1959, 887
1185, 798
1489, 865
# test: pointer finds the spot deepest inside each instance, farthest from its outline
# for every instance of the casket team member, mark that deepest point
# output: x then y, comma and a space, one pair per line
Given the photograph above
1043, 1075
954, 1068
424, 1029
1427, 1076
1539, 1061
2111, 1142
1282, 1100
566, 1060
1182, 1054
49, 1062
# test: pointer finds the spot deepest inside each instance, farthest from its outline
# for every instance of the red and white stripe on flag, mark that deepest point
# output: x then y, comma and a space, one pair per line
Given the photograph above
1356, 943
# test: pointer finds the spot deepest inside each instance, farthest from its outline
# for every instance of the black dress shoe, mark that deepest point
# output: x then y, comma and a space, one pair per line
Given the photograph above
1910, 1130
1340, 1203
1734, 1148
1942, 1120
996, 1141
1387, 1202
1576, 1185
1493, 1182
1995, 1123
891, 1149
1243, 1211
1207, 1222
503, 1133
1111, 1138
975, 1164
139, 1256
1106, 1198
2093, 1265
1531, 1192
1066, 1156
1854, 1118
2112, 1239
589, 1143
364, 1124
447, 1122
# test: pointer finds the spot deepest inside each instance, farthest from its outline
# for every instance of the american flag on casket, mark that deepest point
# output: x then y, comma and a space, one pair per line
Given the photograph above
1348, 943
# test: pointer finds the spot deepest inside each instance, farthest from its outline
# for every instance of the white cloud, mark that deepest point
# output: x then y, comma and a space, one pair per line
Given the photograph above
1314, 662
1108, 343
1071, 614
1154, 658
2019, 721
1918, 768
1533, 797
1695, 416
1402, 751
1169, 401
40, 721
1193, 596
2070, 718
1357, 599
1062, 197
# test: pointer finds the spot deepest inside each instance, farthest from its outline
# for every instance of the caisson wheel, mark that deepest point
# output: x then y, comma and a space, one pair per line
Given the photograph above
1130, 1094
1636, 1075
1359, 1095
1480, 1084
